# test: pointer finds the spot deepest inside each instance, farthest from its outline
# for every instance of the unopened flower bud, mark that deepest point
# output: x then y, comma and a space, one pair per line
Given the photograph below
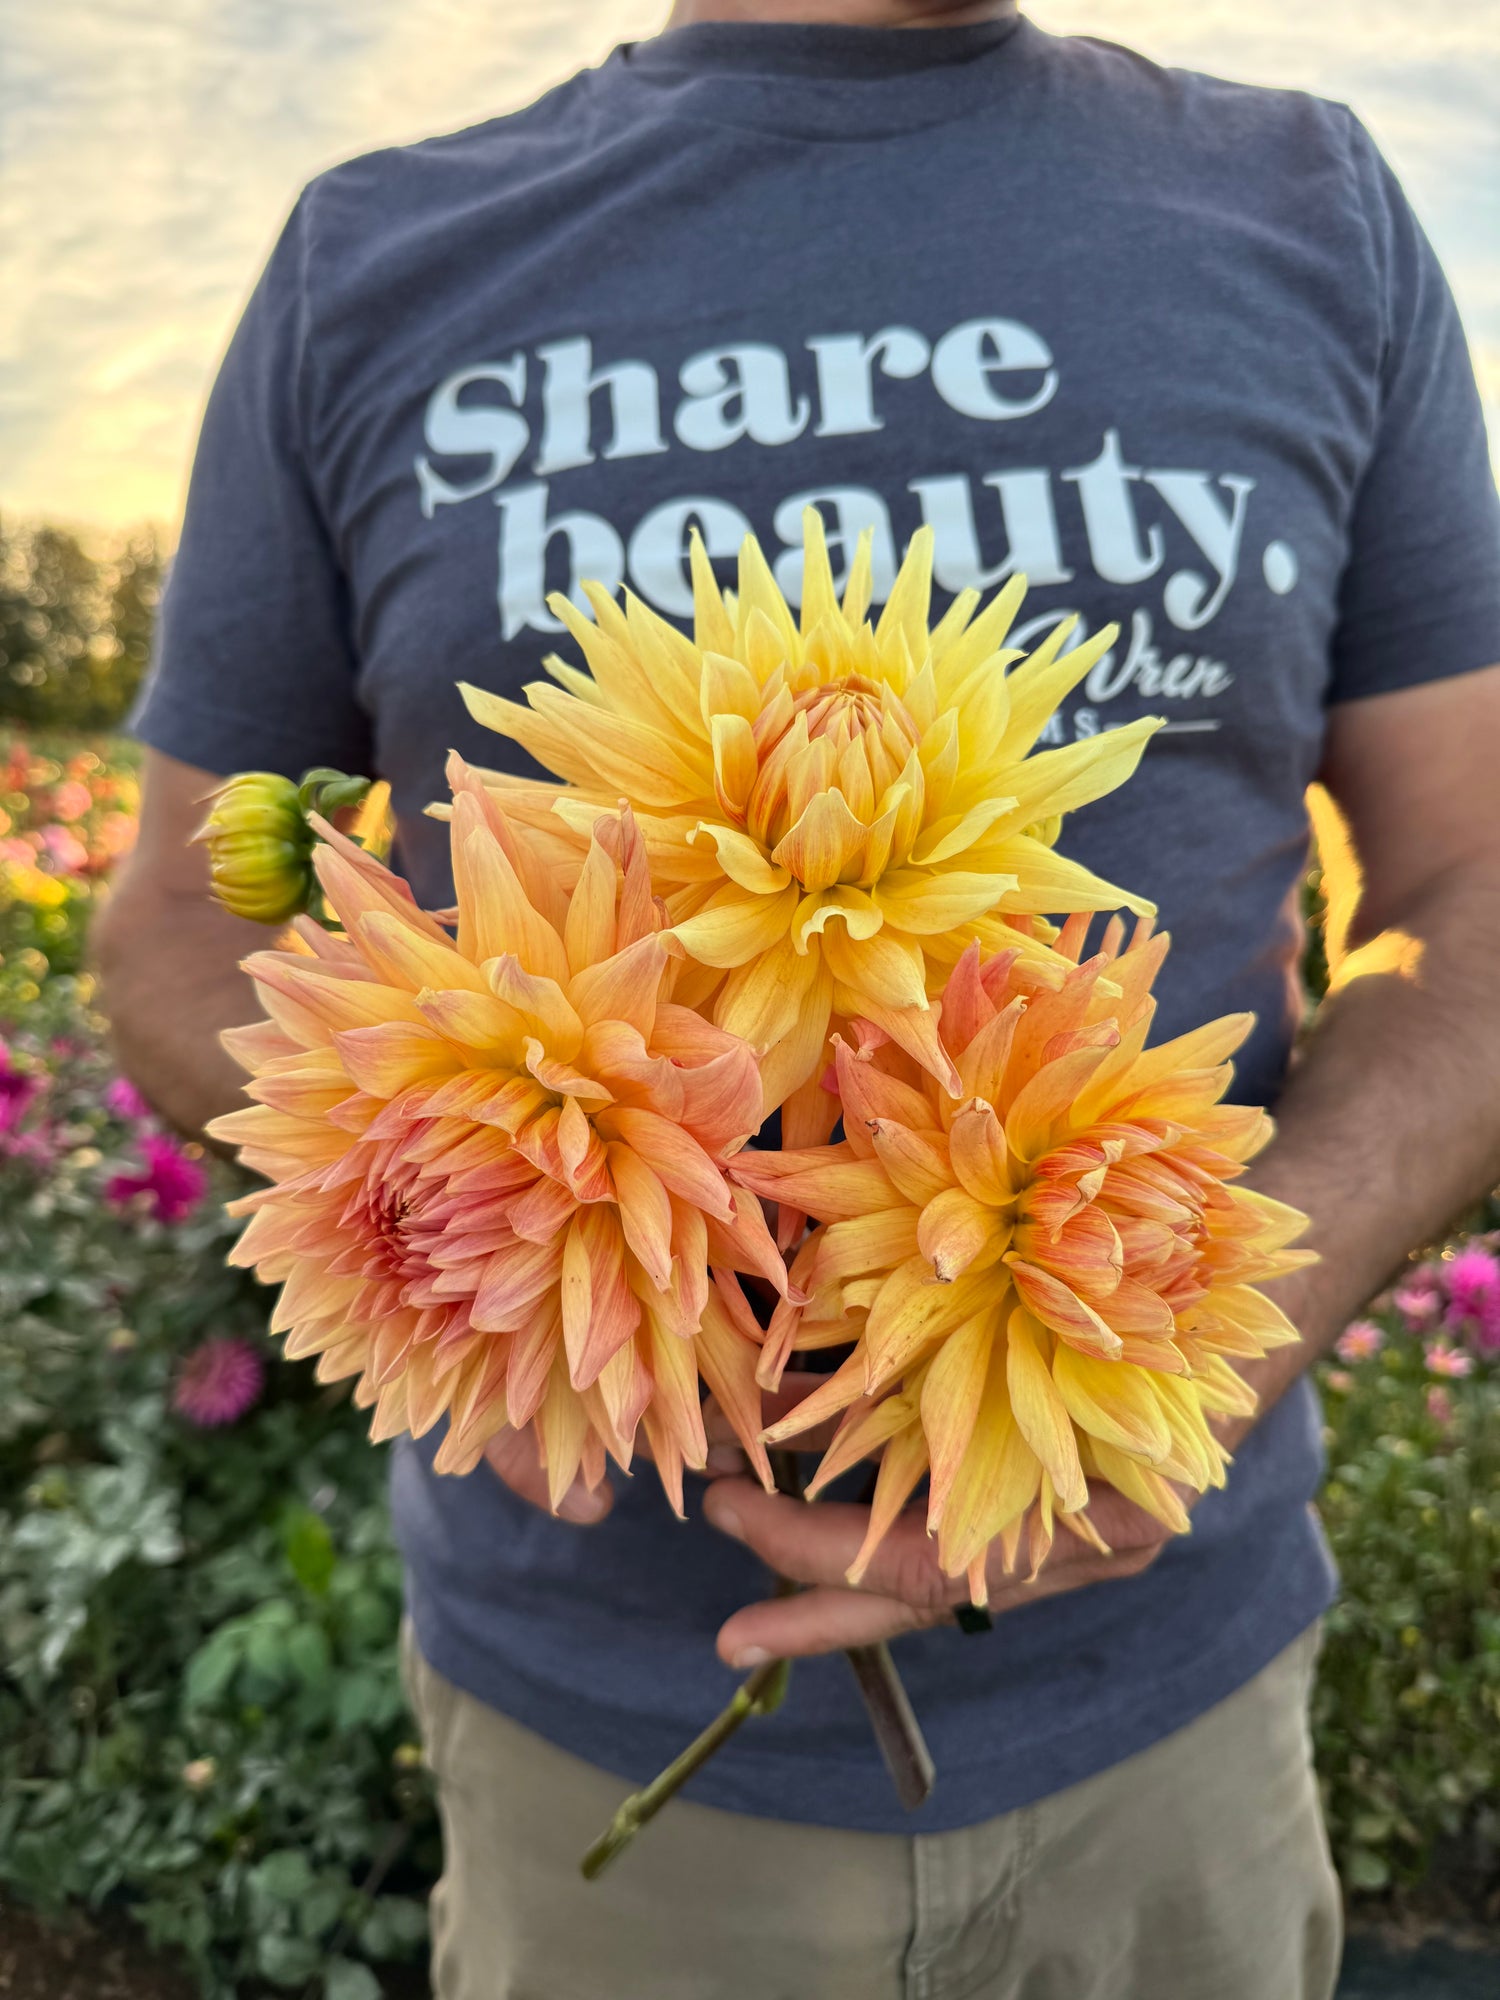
259, 847
199, 1774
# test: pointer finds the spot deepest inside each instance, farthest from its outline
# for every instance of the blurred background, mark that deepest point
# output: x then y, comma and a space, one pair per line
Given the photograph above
202, 1737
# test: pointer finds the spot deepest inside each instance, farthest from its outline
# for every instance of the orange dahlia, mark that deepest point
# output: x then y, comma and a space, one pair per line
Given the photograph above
833, 809
1045, 1273
497, 1157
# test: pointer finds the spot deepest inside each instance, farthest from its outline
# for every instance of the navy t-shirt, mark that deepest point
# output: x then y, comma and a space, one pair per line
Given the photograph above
1174, 347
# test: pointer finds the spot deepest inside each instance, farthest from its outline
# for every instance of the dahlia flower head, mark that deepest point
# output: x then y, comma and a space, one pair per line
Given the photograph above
833, 810
497, 1157
1047, 1271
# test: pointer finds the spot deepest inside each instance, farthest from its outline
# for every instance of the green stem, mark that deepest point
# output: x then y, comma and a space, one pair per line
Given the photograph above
755, 1696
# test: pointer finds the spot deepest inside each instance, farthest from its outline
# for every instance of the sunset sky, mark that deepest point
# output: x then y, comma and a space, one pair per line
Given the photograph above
152, 147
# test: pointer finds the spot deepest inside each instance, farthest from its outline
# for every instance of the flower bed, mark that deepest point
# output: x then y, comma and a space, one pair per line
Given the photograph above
198, 1597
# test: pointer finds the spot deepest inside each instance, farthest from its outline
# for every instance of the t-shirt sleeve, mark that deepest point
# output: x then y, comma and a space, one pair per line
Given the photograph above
1420, 595
254, 665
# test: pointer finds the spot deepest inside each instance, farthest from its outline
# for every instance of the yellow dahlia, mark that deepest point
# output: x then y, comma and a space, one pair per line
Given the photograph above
833, 810
1046, 1272
497, 1158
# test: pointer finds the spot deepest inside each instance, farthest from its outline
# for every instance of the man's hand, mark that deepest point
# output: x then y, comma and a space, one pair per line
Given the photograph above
903, 1590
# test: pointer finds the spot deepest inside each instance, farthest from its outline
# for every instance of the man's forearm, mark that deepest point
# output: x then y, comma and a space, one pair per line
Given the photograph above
1390, 1121
170, 984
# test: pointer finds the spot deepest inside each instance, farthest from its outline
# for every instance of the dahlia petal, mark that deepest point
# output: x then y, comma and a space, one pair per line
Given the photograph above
1061, 1309
673, 1155
916, 1162
834, 1190
623, 988
742, 858
726, 1360
912, 1312
542, 1003
589, 936
737, 925
1113, 1401
979, 1154
512, 1283
1041, 1414
645, 1212
902, 1464
952, 1388
924, 905
958, 1233
824, 842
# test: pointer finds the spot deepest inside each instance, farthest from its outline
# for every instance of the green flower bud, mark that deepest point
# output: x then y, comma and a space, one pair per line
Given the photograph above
259, 847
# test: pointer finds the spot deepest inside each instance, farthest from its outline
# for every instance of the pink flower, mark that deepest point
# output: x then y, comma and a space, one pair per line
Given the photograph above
71, 800
175, 1183
125, 1101
1420, 1301
1487, 1326
1473, 1280
1360, 1342
218, 1382
18, 1091
1440, 1405
1339, 1379
1445, 1360
65, 850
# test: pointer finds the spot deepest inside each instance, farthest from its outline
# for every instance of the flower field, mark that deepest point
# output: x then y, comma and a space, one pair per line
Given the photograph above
200, 1714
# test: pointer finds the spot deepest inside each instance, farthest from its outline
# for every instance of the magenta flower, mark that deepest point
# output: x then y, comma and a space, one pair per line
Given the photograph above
175, 1183
64, 850
1420, 1301
218, 1382
1487, 1326
1473, 1280
1440, 1405
1442, 1359
125, 1101
1360, 1342
18, 1090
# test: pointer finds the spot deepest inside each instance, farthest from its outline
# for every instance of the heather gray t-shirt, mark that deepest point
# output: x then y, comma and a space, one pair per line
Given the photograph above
1174, 347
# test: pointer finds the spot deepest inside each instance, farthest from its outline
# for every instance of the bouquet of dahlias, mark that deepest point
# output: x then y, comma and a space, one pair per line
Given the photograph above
804, 864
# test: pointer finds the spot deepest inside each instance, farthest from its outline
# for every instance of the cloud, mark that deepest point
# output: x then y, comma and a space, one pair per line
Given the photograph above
152, 148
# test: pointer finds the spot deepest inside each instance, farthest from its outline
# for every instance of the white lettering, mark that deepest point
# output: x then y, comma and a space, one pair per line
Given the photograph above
752, 377
1029, 519
659, 549
568, 389
1188, 600
594, 552
846, 398
473, 430
964, 360
1109, 519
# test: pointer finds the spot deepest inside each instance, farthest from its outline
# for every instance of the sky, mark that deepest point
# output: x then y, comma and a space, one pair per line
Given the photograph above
149, 150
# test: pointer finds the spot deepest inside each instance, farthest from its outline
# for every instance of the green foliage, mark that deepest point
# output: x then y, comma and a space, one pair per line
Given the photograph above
201, 1712
1407, 1714
75, 625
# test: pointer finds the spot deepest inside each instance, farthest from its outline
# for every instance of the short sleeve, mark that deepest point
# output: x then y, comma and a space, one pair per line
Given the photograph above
1420, 595
254, 666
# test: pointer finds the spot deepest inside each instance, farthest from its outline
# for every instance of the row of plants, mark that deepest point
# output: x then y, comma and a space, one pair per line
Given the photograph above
200, 1711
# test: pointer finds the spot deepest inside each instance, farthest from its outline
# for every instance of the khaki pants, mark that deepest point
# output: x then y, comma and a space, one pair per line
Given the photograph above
1198, 1870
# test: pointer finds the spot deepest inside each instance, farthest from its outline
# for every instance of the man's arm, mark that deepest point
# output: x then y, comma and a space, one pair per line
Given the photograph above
169, 957
1389, 1124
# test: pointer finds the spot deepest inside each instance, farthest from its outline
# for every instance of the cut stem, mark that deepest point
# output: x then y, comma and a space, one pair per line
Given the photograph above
897, 1730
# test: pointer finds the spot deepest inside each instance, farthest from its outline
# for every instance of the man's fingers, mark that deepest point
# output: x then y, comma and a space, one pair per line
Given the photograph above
802, 1543
816, 1544
513, 1457
816, 1621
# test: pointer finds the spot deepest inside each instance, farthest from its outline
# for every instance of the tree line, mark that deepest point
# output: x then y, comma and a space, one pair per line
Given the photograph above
76, 618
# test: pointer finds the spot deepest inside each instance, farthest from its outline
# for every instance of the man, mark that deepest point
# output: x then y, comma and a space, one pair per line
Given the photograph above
1179, 351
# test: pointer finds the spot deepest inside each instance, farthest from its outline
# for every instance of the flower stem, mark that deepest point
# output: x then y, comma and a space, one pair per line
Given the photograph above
761, 1692
897, 1730
887, 1704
